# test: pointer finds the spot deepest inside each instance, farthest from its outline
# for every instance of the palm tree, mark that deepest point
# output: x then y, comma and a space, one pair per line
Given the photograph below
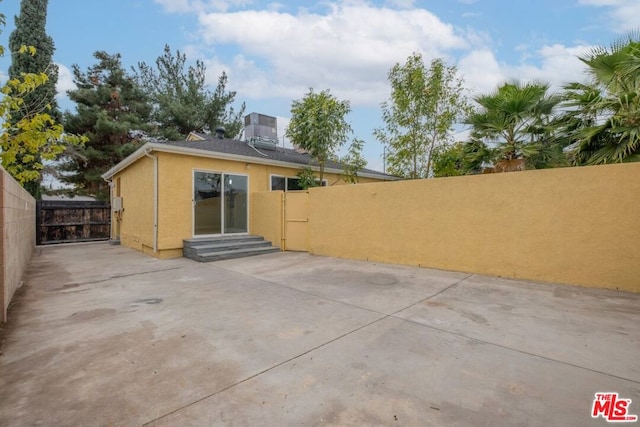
603, 118
515, 123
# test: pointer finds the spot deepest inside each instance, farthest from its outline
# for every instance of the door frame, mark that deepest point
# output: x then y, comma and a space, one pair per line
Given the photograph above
222, 203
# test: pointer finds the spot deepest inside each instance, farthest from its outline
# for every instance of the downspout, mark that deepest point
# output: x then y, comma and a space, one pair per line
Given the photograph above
155, 199
111, 226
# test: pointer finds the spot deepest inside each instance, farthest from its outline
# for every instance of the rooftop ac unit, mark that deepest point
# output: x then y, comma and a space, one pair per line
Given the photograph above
261, 126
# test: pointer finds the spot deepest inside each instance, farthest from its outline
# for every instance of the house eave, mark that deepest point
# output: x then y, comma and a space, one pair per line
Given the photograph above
164, 148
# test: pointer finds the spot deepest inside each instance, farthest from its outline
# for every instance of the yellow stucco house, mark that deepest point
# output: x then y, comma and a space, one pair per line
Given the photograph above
164, 193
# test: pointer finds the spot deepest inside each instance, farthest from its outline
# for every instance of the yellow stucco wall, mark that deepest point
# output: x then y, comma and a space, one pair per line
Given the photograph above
266, 216
175, 194
572, 225
136, 220
176, 188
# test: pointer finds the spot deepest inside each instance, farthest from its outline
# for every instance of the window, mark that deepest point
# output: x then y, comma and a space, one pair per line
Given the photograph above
284, 183
278, 183
293, 184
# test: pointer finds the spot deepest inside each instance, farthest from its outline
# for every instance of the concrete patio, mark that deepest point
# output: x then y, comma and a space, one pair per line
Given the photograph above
103, 335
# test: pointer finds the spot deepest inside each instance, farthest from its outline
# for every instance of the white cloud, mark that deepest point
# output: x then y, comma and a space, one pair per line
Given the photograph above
625, 14
201, 6
65, 83
65, 79
274, 54
481, 71
557, 65
350, 49
275, 6
403, 4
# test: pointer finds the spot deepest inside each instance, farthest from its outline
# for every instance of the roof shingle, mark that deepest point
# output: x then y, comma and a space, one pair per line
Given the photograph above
280, 154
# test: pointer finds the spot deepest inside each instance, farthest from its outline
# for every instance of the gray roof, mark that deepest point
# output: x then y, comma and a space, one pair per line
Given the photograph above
233, 149
280, 154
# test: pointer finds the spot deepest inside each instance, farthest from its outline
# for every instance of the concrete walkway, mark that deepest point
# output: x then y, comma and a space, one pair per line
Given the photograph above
102, 335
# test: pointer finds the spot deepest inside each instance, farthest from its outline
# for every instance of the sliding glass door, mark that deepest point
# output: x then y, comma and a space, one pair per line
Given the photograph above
235, 204
220, 203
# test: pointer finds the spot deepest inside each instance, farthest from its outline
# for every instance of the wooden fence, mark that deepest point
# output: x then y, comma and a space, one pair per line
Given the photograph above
68, 221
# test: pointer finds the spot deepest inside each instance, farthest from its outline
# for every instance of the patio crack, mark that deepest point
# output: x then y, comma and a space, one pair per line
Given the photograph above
550, 359
461, 335
394, 315
441, 291
120, 276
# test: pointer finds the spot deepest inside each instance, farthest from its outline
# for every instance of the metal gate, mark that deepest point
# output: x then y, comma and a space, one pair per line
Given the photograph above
68, 221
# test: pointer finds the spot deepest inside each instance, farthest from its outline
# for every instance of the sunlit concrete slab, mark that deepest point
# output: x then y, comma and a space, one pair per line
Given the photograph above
385, 288
134, 343
593, 328
400, 373
103, 335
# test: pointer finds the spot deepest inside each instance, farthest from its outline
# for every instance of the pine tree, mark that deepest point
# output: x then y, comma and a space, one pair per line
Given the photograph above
113, 113
30, 31
183, 103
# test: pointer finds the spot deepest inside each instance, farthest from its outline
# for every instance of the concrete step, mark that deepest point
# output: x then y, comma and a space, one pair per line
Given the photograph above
225, 247
234, 253
221, 239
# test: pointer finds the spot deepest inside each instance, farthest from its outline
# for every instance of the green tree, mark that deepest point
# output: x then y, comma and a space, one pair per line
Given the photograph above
30, 31
462, 158
318, 126
113, 113
28, 135
603, 117
307, 179
448, 160
515, 122
182, 102
425, 104
353, 161
578, 114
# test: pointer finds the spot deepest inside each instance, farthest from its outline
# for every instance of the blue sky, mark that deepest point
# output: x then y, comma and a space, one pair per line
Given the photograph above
274, 51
